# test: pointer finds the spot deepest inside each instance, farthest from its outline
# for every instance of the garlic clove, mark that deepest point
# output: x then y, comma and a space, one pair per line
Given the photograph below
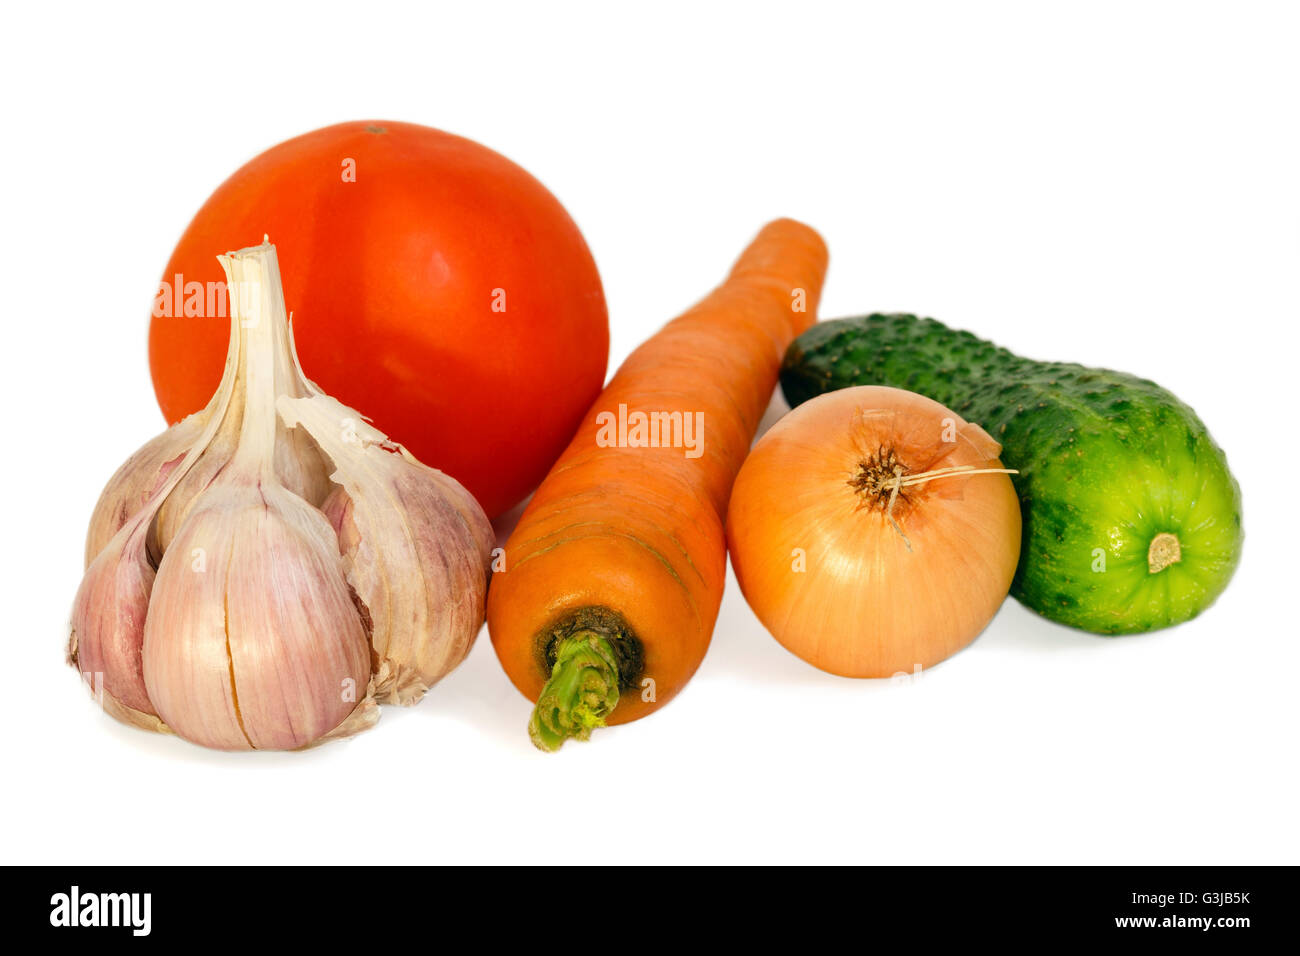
415, 543
110, 610
138, 478
108, 617
318, 649
252, 640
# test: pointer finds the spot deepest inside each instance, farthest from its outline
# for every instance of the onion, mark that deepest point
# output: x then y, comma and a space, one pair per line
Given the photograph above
874, 531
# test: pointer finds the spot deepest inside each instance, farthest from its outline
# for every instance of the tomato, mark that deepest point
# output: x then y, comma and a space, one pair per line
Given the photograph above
435, 286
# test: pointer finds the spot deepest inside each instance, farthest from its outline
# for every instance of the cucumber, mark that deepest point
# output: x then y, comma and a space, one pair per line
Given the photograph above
1132, 520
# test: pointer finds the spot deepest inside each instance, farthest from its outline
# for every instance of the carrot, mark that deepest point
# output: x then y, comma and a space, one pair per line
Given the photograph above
614, 574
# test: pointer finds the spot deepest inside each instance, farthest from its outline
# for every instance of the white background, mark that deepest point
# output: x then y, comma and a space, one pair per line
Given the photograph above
1111, 184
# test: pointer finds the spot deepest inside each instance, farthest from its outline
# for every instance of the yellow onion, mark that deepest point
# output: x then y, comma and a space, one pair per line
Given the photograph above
874, 531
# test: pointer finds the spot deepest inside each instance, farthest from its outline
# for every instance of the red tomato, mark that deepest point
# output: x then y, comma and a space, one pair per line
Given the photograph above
435, 286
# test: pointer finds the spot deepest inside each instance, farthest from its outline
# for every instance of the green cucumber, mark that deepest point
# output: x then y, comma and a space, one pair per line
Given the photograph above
1132, 520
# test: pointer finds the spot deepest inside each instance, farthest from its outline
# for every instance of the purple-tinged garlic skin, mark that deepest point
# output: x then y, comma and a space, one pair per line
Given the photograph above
111, 608
252, 639
139, 477
108, 618
475, 518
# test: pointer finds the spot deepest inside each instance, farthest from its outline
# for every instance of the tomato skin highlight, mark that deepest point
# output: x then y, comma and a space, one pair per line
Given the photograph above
441, 290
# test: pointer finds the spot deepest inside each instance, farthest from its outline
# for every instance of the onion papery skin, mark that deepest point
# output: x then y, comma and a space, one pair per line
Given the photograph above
824, 568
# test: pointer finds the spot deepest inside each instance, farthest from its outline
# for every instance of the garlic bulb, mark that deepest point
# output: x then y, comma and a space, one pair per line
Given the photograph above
266, 571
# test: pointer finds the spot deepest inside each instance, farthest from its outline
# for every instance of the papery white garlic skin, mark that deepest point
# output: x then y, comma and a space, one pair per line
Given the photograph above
298, 464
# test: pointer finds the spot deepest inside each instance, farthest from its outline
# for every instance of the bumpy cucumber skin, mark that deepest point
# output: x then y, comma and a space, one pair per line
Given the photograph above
1107, 461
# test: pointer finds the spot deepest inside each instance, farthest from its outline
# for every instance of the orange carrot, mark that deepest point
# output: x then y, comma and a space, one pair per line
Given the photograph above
613, 577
